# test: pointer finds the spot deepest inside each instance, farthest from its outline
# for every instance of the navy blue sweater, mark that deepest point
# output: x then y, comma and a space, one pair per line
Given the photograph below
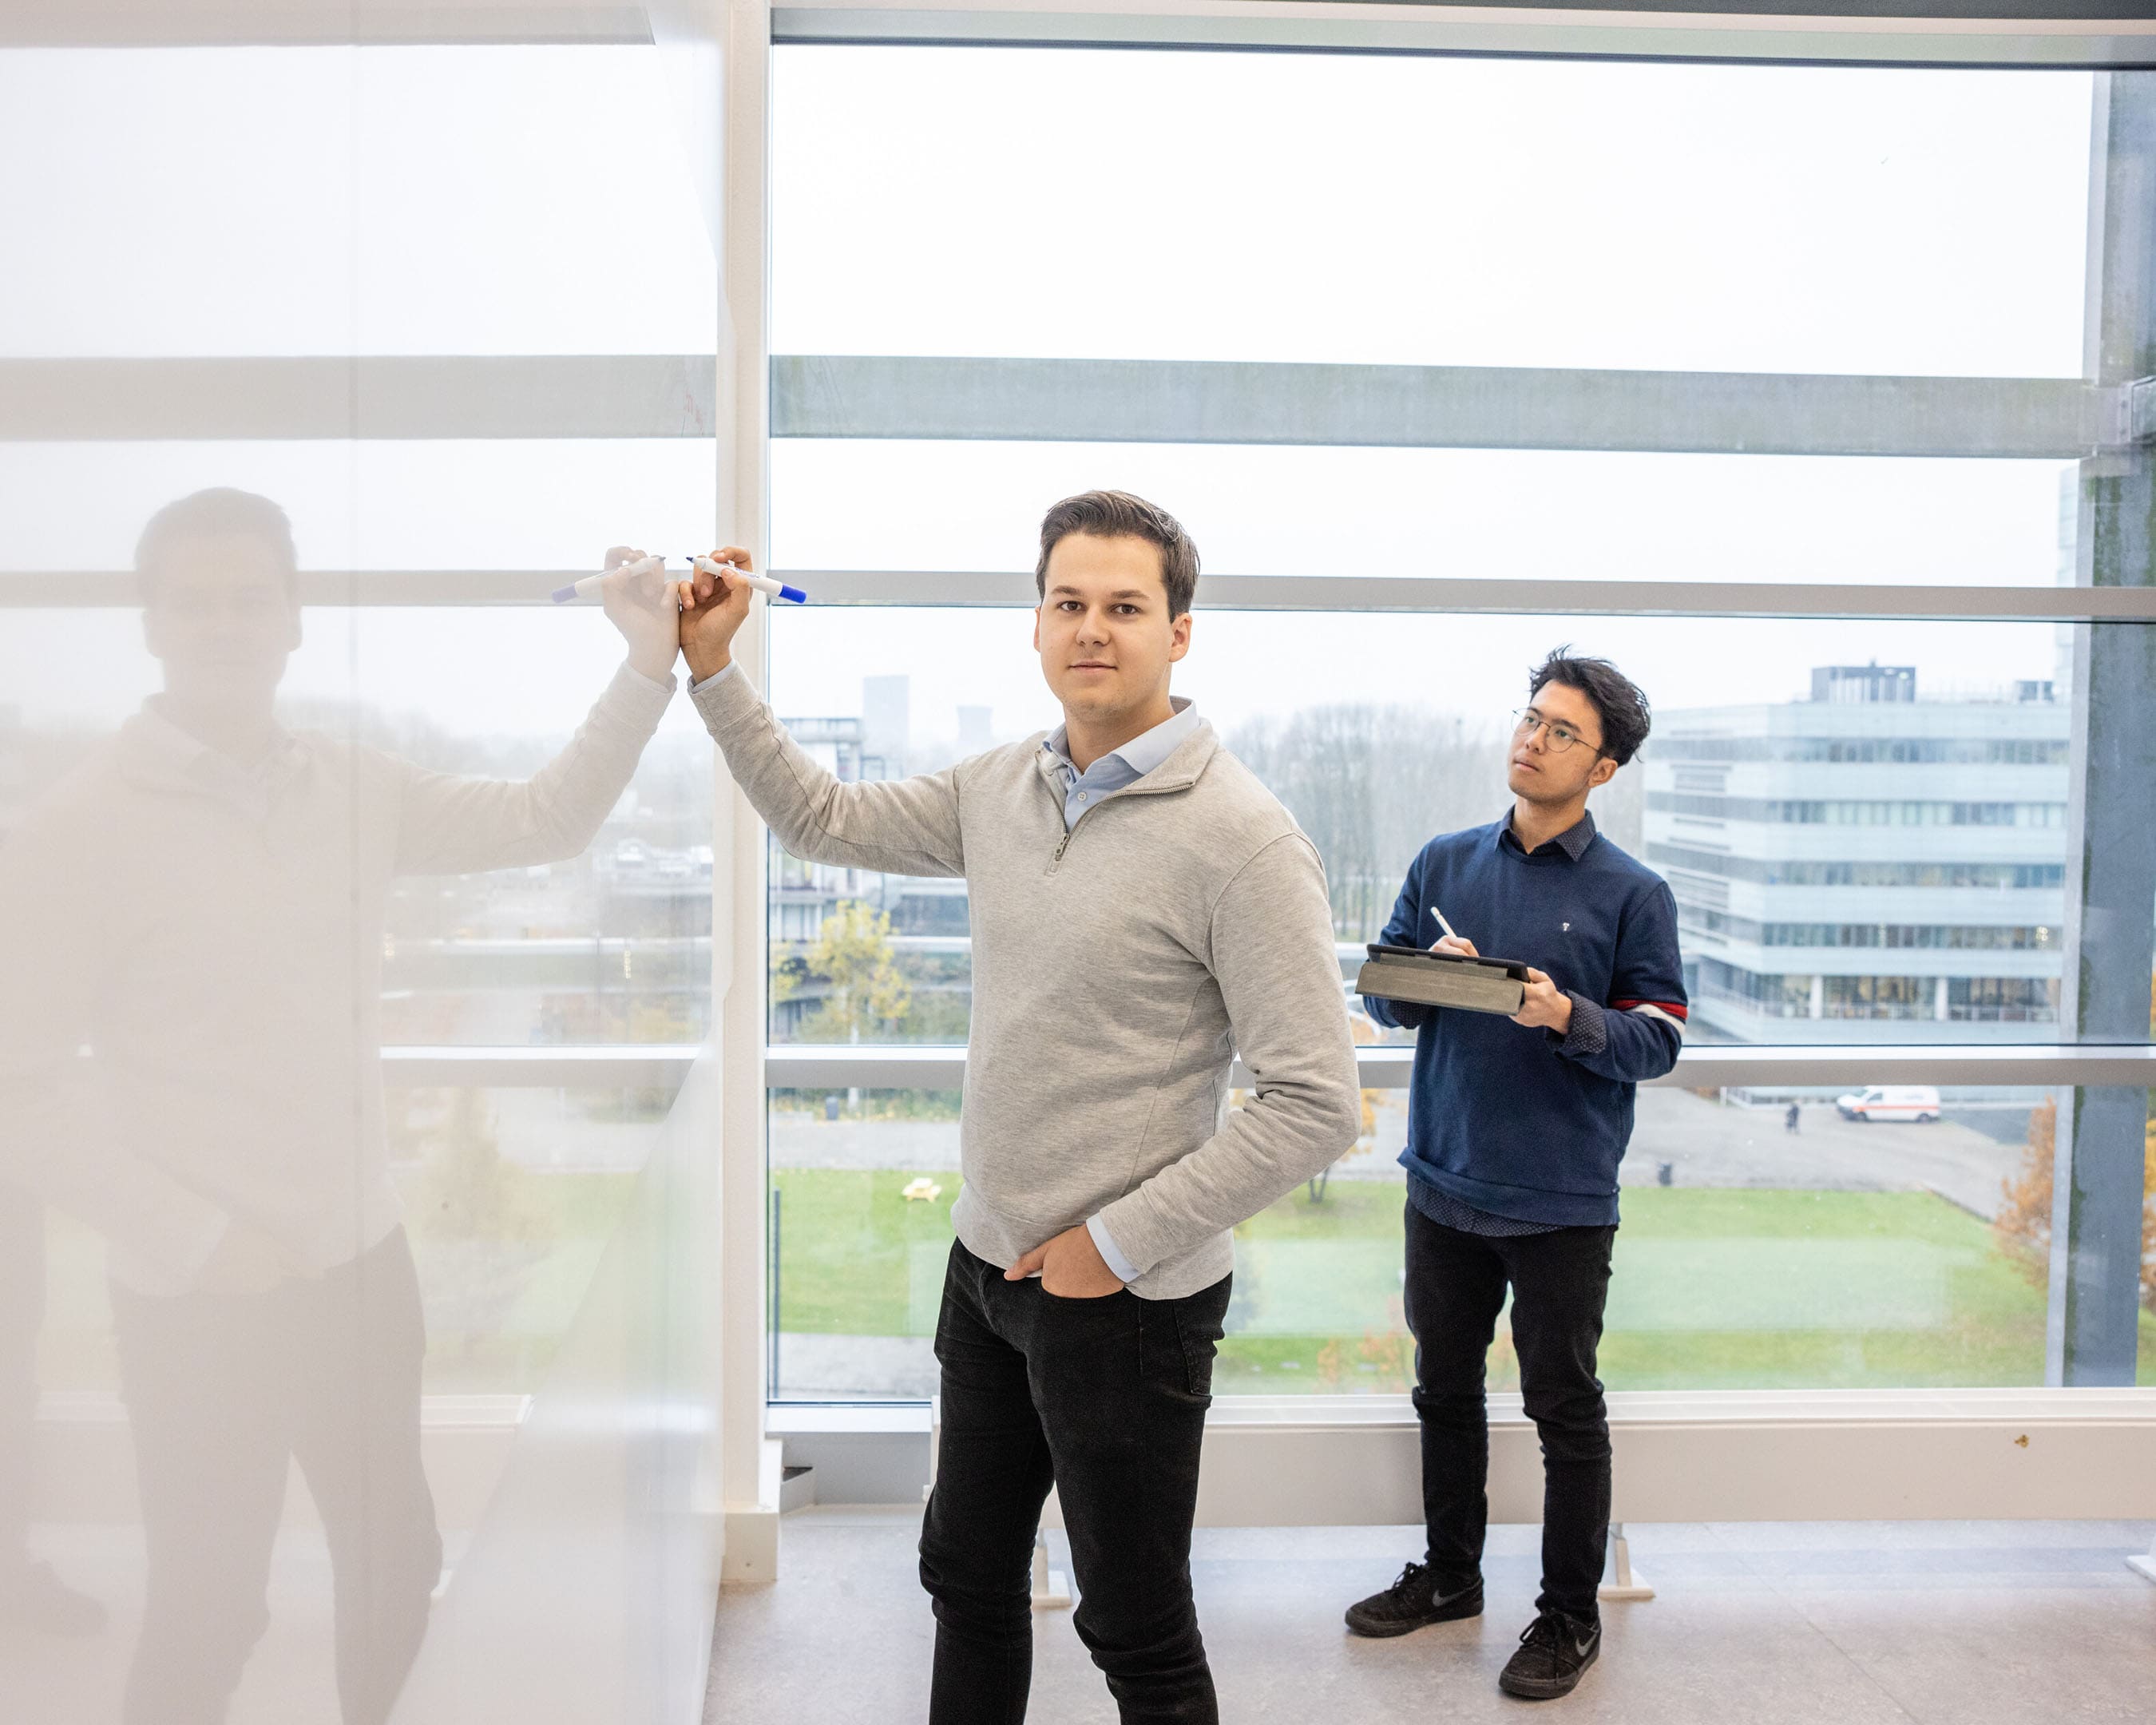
1524, 1122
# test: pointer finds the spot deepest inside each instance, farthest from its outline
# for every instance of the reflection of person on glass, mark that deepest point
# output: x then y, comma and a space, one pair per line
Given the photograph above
1143, 908
1515, 1129
189, 1060
32, 1593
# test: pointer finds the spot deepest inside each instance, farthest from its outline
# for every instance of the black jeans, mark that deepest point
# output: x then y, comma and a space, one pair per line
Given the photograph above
1106, 1399
1456, 1288
223, 1392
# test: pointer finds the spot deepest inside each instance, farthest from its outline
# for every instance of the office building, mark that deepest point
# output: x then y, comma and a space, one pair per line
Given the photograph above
1868, 853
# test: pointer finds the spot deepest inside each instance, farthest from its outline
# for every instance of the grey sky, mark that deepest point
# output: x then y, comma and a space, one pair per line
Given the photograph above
1427, 211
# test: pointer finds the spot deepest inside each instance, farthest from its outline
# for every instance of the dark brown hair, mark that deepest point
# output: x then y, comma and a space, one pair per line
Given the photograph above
1113, 514
1616, 699
220, 512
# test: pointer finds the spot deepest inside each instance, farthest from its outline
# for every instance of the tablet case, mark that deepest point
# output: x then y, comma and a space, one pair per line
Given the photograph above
1453, 979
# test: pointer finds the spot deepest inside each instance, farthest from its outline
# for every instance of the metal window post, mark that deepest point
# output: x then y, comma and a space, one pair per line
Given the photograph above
1619, 1580
2110, 884
729, 63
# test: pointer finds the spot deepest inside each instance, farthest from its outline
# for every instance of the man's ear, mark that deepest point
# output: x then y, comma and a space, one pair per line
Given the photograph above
1605, 769
1179, 637
1036, 625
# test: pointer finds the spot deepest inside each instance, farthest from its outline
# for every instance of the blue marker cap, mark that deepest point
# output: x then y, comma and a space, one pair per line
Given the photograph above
562, 595
794, 593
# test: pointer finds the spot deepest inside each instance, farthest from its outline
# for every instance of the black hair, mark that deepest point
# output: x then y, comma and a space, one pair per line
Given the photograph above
1618, 701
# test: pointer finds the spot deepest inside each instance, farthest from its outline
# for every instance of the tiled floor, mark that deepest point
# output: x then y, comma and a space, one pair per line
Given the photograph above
1974, 1622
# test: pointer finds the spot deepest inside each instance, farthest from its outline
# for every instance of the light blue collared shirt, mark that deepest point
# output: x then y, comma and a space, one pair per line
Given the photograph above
1118, 767
1082, 791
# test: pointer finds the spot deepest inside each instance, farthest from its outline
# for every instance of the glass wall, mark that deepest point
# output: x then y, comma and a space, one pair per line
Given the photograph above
1846, 869
1517, 514
1867, 821
1405, 211
1755, 1252
307, 796
1771, 1240
1924, 903
612, 944
862, 1183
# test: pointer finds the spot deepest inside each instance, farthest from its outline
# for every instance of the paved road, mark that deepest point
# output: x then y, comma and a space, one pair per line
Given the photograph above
1705, 1143
857, 1368
1709, 1145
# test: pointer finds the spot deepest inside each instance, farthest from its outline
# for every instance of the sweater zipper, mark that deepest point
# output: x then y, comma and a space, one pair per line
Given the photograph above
1071, 832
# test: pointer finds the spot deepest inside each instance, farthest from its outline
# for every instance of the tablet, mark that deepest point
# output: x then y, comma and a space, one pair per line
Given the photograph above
1454, 979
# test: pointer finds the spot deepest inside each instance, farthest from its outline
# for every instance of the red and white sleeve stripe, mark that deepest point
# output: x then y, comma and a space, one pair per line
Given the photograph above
1670, 1012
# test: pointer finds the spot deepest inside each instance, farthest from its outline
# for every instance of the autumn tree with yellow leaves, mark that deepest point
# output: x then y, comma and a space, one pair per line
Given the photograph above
2023, 1226
854, 953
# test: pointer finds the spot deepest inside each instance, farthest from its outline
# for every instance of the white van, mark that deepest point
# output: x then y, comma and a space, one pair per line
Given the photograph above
1918, 1103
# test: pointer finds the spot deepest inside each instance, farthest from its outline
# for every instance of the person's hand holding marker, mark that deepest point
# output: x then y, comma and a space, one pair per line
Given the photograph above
714, 602
651, 607
1546, 1007
639, 602
721, 562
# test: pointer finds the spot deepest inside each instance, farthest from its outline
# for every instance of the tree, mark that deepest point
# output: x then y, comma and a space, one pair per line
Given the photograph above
1370, 784
788, 971
2023, 1226
854, 954
469, 1190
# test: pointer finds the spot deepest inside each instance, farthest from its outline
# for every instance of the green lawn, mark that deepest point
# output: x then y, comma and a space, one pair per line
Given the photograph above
1713, 1289
855, 1257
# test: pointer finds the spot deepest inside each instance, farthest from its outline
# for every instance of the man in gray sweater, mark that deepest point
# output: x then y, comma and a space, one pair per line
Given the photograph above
190, 1063
1143, 909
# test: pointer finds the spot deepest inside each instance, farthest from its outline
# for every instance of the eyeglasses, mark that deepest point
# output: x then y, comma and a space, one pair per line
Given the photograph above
1526, 722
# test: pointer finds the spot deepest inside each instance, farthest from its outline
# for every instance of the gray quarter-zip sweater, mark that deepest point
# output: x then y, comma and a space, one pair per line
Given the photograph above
216, 935
1118, 967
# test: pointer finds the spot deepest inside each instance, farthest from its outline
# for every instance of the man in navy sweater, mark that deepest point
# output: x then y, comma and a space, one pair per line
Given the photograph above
1515, 1129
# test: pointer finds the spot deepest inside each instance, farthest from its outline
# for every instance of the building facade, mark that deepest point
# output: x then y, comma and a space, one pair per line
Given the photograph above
1867, 853
930, 930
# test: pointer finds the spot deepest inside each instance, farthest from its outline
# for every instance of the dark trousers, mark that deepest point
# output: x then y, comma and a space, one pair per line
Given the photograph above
223, 1391
22, 1313
1107, 1401
1456, 1288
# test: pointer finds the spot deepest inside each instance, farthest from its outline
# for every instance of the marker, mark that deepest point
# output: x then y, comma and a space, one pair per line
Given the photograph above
588, 587
1442, 923
762, 583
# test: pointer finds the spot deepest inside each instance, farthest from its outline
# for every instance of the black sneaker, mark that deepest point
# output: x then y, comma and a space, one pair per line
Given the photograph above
1413, 1601
1554, 1650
